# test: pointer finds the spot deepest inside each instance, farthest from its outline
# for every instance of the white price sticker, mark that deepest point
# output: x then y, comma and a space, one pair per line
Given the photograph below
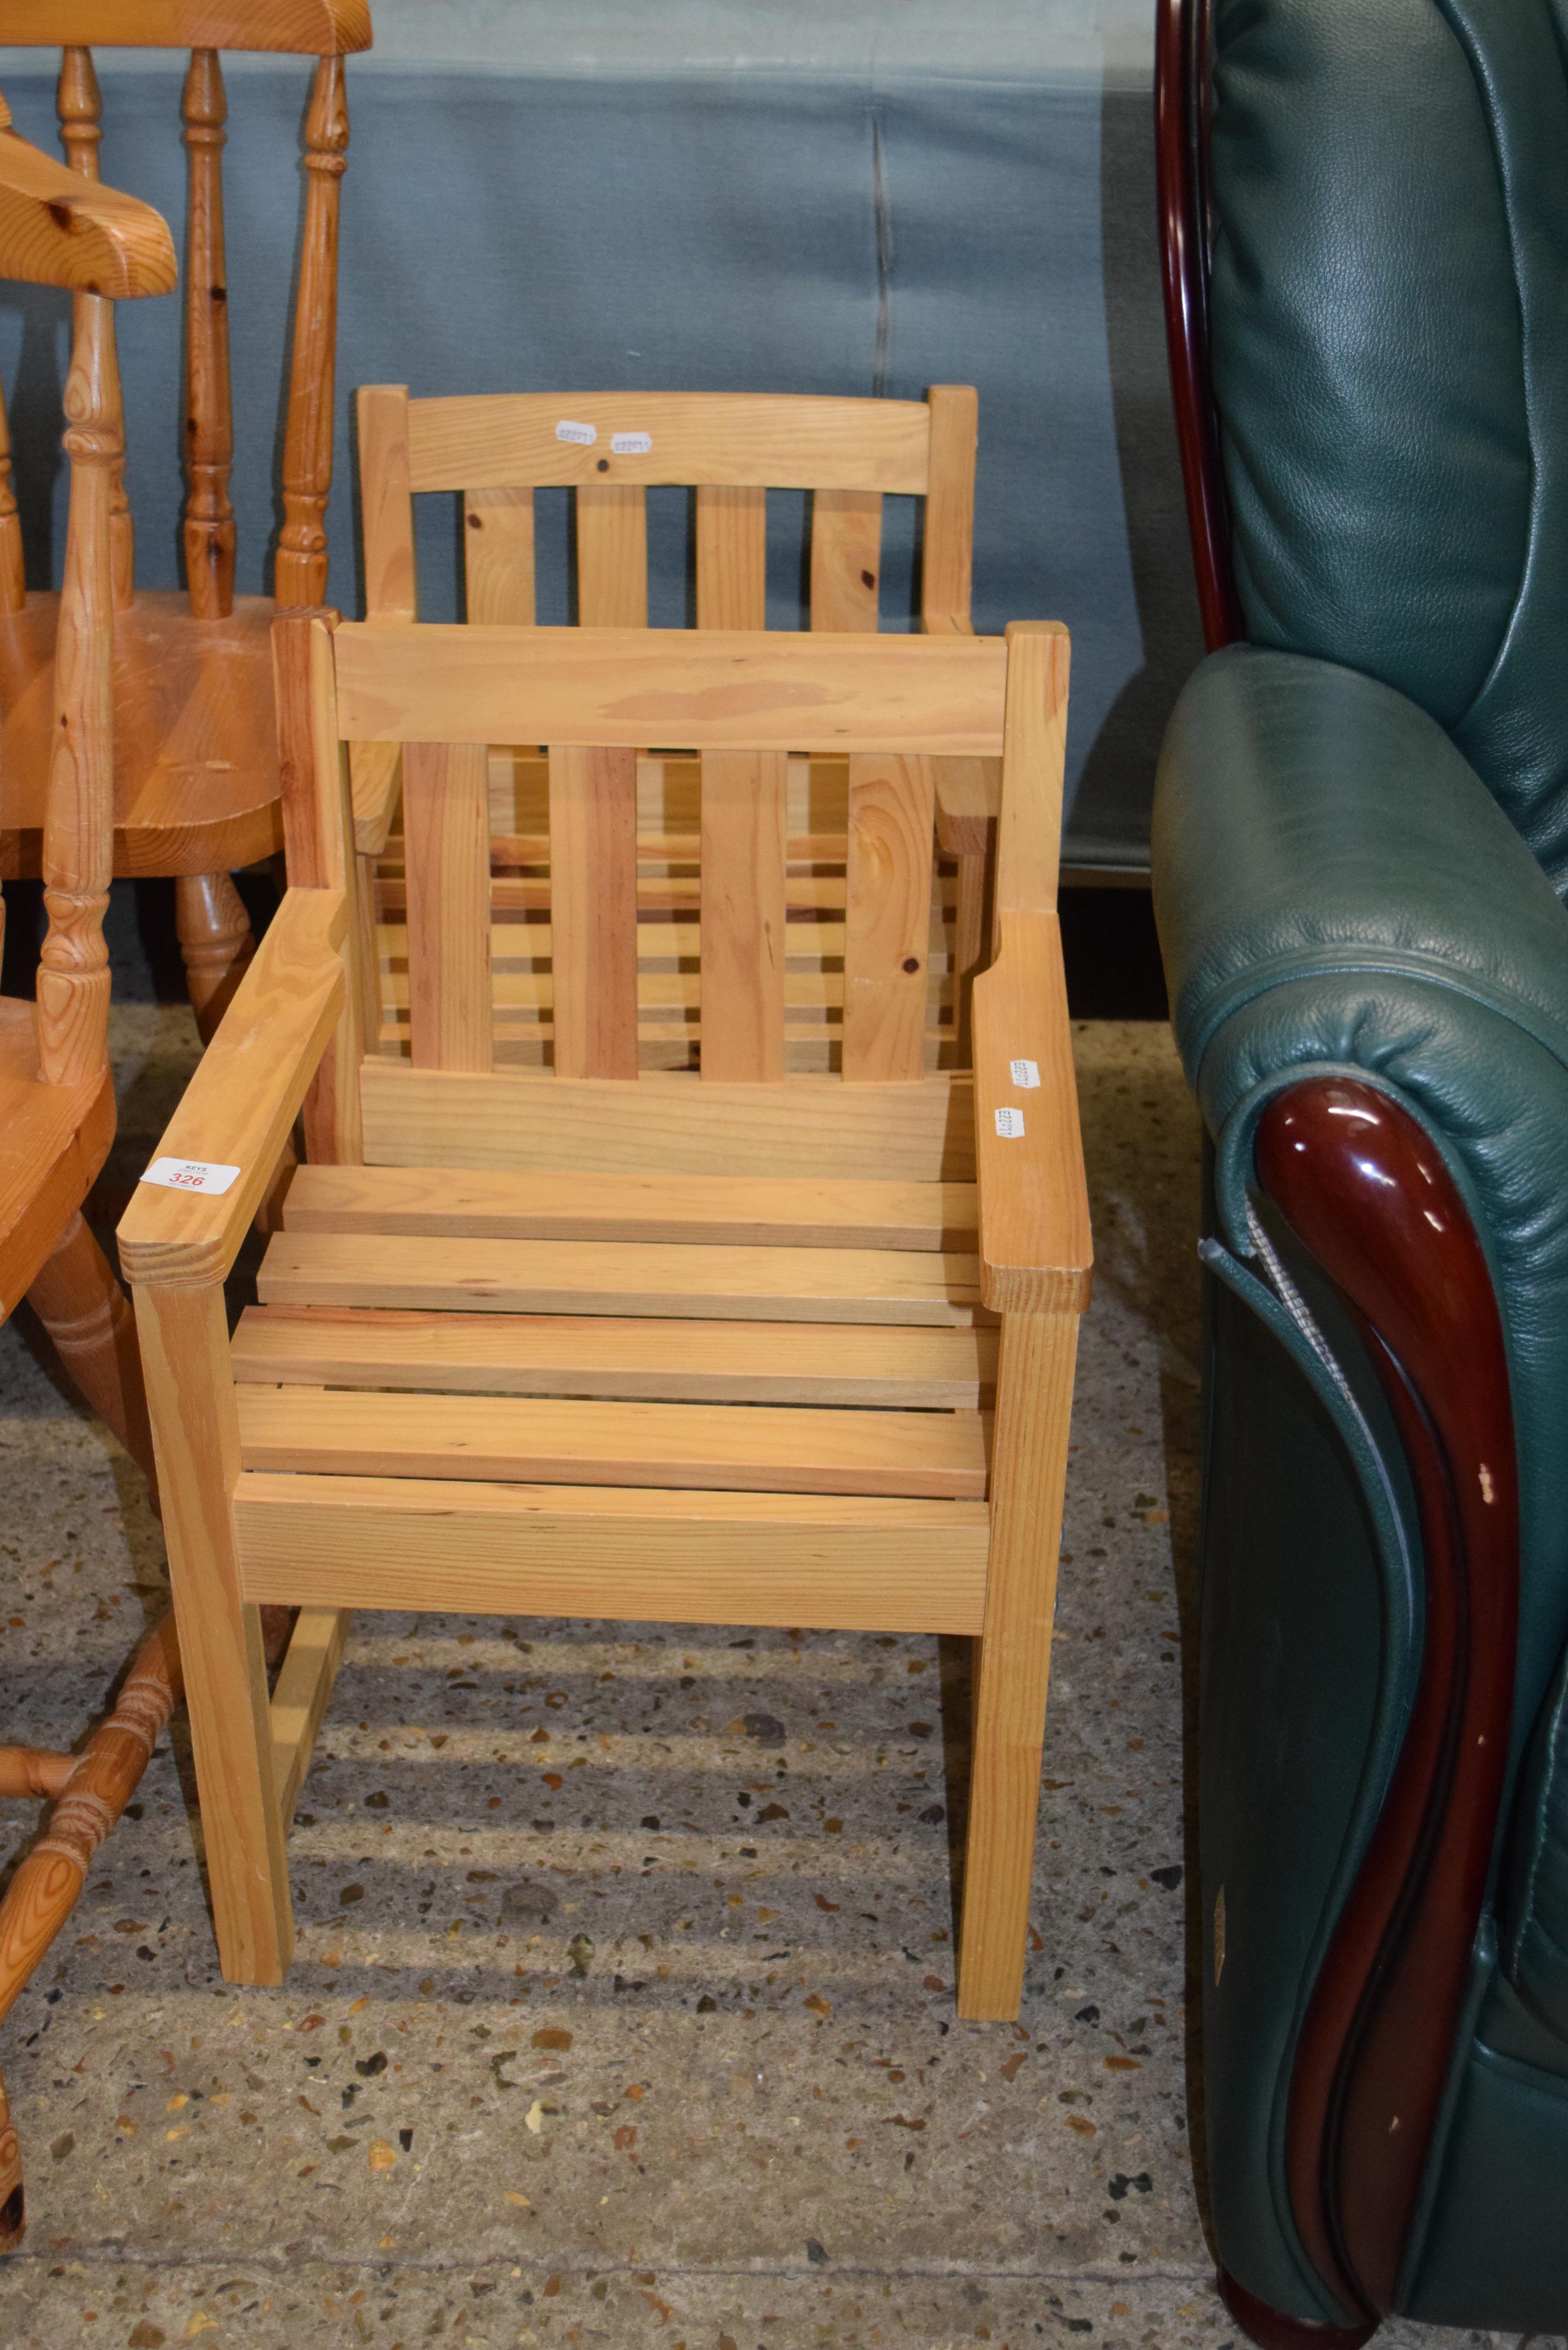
1025, 1074
632, 445
583, 435
1010, 1125
190, 1175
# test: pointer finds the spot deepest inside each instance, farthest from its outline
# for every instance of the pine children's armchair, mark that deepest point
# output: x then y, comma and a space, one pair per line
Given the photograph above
726, 1344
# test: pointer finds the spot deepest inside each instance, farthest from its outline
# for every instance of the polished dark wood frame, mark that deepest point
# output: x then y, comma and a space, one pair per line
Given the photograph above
1366, 1191
1181, 86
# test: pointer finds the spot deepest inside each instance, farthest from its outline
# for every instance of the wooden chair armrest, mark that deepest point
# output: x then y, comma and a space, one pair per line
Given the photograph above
58, 229
245, 1096
376, 782
1035, 1246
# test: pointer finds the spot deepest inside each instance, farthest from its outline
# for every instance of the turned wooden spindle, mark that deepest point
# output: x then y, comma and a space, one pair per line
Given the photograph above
216, 941
81, 135
208, 410
89, 1319
12, 585
34, 1770
301, 569
73, 970
103, 1779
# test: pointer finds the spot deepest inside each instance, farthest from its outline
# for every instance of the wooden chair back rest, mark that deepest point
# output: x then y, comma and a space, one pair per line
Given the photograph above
101, 247
889, 705
327, 30
730, 447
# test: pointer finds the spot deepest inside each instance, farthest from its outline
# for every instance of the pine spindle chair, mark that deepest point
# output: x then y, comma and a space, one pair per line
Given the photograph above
721, 1346
730, 450
196, 788
57, 1101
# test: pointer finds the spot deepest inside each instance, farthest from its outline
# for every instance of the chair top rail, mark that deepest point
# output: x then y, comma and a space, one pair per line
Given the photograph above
736, 439
628, 688
58, 229
315, 28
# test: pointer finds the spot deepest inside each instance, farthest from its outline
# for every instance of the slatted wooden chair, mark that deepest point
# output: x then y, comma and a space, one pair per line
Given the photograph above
195, 786
705, 1346
730, 449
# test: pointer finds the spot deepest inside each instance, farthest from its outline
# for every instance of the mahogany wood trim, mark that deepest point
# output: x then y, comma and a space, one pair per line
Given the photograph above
1270, 2329
1180, 105
1366, 1191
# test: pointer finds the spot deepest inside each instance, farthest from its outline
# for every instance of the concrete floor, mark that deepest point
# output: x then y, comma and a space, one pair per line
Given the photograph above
623, 2007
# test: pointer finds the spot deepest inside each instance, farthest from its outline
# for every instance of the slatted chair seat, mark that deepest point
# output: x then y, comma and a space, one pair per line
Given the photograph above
772, 1252
732, 1343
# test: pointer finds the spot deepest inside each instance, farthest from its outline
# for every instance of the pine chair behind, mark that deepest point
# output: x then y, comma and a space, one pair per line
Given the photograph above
57, 1101
196, 789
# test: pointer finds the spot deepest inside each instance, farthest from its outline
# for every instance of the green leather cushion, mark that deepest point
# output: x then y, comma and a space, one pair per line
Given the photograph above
1308, 917
1390, 360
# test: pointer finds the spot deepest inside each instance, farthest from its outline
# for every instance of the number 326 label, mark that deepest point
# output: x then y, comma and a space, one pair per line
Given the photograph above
190, 1175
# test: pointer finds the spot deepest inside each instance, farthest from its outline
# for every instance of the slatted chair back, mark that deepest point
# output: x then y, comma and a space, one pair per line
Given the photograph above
111, 248
731, 448
328, 30
890, 706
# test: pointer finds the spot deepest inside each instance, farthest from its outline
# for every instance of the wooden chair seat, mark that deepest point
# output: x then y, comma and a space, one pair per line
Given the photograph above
744, 1252
53, 1140
195, 743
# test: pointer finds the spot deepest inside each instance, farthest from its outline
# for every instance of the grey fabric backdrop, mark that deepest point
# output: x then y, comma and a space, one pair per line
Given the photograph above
709, 195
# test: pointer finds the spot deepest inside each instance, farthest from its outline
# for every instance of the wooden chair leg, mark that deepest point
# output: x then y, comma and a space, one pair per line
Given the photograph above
87, 1315
215, 933
185, 1354
1028, 1477
13, 2199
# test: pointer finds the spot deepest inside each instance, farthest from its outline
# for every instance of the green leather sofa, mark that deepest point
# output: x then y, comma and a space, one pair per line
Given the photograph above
1360, 843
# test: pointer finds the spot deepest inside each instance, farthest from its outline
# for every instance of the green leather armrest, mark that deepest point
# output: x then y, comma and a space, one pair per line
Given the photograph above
1308, 820
1336, 889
